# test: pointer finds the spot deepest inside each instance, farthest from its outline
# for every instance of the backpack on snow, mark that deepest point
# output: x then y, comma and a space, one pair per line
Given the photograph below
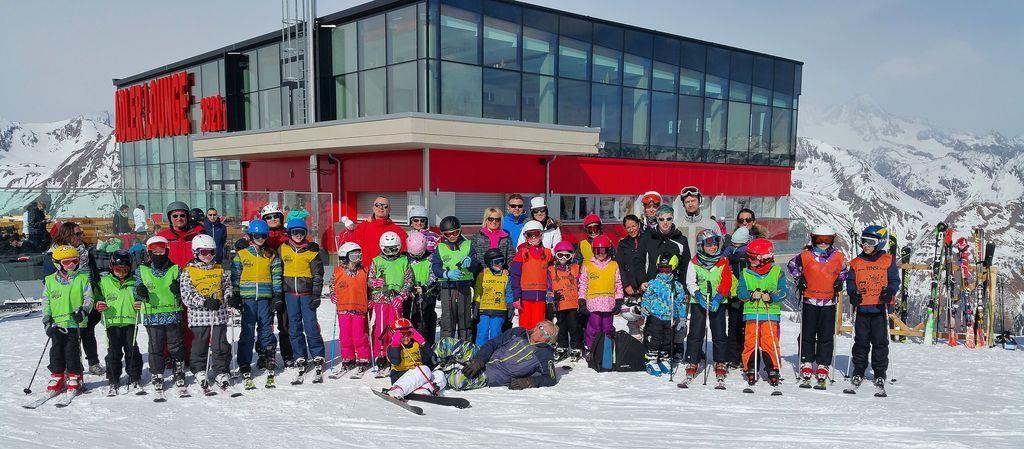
622, 352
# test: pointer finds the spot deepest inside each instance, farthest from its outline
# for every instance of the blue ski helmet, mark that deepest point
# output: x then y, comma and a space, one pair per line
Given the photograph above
875, 234
296, 223
258, 227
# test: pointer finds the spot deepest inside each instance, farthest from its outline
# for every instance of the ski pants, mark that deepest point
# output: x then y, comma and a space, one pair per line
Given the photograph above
162, 335
570, 334
212, 340
489, 326
66, 352
817, 331
660, 335
186, 335
531, 312
698, 330
352, 339
89, 337
599, 323
257, 320
418, 377
457, 311
762, 336
734, 329
869, 332
384, 316
423, 316
306, 342
121, 345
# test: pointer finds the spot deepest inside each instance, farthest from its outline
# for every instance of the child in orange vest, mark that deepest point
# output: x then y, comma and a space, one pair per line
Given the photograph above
350, 294
564, 276
872, 284
601, 288
529, 277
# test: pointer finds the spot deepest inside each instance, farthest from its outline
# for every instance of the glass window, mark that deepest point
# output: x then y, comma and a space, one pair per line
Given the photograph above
195, 76
691, 82
270, 108
636, 71
372, 42
664, 77
573, 58
739, 91
198, 176
402, 96
762, 72
142, 177
606, 110
401, 39
783, 81
128, 150
421, 29
269, 66
691, 119
567, 209
211, 79
372, 92
572, 103
739, 132
501, 94
428, 86
714, 124
166, 149
252, 110
782, 100
346, 95
607, 36
214, 169
760, 122
501, 44
741, 66
195, 119
663, 119
154, 151
578, 29
538, 98
760, 95
182, 152
129, 178
249, 65
460, 89
166, 175
716, 87
635, 110
141, 153
181, 178
460, 31
666, 49
606, 65
343, 49
539, 51
781, 123
638, 43
232, 171
718, 61
694, 56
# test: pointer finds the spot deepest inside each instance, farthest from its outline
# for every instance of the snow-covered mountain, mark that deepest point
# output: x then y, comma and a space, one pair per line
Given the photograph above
59, 162
858, 164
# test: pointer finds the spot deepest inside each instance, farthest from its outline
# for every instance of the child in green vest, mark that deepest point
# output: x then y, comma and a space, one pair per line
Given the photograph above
158, 288
390, 279
65, 311
762, 287
120, 314
709, 282
424, 294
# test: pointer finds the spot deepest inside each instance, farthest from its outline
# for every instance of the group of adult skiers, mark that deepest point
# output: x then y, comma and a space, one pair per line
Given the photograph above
514, 299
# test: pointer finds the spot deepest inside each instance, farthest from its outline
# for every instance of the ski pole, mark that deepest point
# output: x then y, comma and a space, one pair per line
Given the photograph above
849, 361
892, 369
28, 389
800, 339
707, 328
757, 342
209, 351
334, 335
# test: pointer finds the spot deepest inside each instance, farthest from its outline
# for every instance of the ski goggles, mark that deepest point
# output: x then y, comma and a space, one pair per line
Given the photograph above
355, 256
593, 229
155, 247
274, 216
869, 241
260, 236
533, 235
544, 332
601, 250
206, 252
820, 239
69, 264
712, 241
498, 262
420, 220
297, 233
563, 255
452, 233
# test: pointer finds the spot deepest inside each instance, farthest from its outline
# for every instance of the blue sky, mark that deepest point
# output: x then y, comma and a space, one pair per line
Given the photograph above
957, 64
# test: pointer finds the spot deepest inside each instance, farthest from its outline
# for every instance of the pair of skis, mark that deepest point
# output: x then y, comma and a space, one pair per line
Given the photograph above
357, 372
460, 403
64, 400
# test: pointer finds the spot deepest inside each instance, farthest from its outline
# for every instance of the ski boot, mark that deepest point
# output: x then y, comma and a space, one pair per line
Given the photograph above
96, 369
651, 366
663, 363
289, 363
179, 379
56, 384
74, 383
751, 376
691, 373
822, 376
158, 382
223, 381
879, 387
271, 369
247, 381
575, 354
806, 371
300, 371
136, 385
204, 380
773, 380
561, 354
855, 382
721, 371
382, 368
348, 365
112, 386
318, 370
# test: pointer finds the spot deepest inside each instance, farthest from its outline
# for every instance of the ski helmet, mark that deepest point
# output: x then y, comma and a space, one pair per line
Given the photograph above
65, 252
689, 191
156, 240
876, 236
493, 257
590, 220
564, 251
270, 209
416, 244
120, 258
630, 313
390, 244
450, 223
176, 205
532, 225
602, 242
296, 223
709, 236
668, 262
741, 236
203, 241
348, 252
258, 227
822, 234
197, 215
402, 325
760, 251
651, 197
417, 211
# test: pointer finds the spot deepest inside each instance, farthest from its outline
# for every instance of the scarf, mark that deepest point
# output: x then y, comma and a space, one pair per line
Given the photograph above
708, 261
494, 236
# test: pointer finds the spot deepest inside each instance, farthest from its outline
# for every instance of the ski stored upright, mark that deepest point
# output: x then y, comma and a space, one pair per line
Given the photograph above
933, 301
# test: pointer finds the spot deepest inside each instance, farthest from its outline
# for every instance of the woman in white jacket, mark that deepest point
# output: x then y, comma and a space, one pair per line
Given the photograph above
551, 234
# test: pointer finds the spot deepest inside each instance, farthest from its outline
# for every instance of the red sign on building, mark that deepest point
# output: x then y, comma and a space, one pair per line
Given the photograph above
214, 114
158, 108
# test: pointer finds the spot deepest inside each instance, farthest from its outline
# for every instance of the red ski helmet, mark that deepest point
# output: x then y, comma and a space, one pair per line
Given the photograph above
601, 241
759, 251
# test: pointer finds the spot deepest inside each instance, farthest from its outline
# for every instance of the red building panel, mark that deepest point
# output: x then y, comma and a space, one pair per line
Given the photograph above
469, 171
389, 171
275, 175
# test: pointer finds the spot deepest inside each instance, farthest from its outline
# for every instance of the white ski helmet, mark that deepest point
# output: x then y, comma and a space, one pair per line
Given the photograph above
156, 239
203, 241
532, 225
823, 229
269, 209
347, 249
390, 243
416, 211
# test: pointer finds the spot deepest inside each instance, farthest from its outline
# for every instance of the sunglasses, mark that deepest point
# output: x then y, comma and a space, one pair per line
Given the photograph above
258, 236
744, 220
515, 206
206, 252
381, 205
273, 216
179, 215
211, 215
664, 219
418, 220
542, 210
452, 233
493, 219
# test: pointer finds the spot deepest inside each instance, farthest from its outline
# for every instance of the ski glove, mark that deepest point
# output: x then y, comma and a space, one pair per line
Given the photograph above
583, 306
801, 284
476, 312
101, 306
716, 302
855, 299
211, 304
453, 275
618, 305
522, 383
473, 368
314, 303
78, 315
137, 305
235, 302
377, 283
837, 286
885, 296
51, 329
466, 263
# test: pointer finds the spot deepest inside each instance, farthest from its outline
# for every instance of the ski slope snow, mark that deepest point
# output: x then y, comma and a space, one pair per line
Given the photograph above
948, 397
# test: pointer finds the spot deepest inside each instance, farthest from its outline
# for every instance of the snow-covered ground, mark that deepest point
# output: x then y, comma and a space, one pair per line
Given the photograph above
943, 397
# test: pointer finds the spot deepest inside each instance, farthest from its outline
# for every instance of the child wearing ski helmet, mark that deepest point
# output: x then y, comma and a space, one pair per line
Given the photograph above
600, 284
564, 278
736, 252
761, 287
206, 291
420, 224
424, 294
709, 282
819, 273
664, 304
529, 276
256, 277
157, 285
872, 283
303, 276
492, 296
412, 362
593, 227
350, 294
120, 317
453, 267
68, 301
391, 281
551, 234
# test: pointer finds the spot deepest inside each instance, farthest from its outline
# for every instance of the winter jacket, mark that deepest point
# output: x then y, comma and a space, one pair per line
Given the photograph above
200, 281
276, 238
302, 269
151, 297
86, 265
873, 273
821, 272
350, 292
665, 298
482, 243
600, 284
655, 243
65, 293
36, 222
367, 235
139, 217
630, 254
737, 256
120, 225
511, 356
529, 273
447, 257
549, 237
256, 274
514, 227
179, 246
773, 283
690, 226
404, 358
219, 232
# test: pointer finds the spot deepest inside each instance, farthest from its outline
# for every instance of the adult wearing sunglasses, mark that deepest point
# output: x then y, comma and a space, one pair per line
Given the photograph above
666, 239
516, 217
745, 218
213, 227
179, 235
70, 234
630, 254
419, 222
550, 232
492, 236
693, 220
367, 234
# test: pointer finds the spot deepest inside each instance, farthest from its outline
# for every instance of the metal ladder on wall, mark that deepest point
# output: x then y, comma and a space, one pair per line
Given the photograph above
295, 37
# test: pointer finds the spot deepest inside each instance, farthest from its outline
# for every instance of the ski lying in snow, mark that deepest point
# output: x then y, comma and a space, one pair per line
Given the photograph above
403, 404
35, 403
66, 398
360, 371
338, 374
439, 400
